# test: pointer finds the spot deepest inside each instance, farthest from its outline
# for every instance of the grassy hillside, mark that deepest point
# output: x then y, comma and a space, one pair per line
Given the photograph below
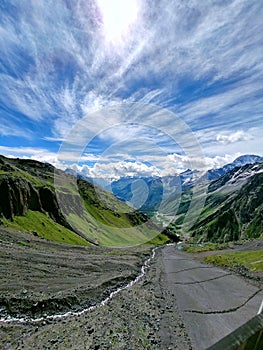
41, 225
66, 210
233, 209
252, 260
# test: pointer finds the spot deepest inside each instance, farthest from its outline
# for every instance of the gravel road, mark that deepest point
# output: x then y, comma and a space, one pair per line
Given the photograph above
213, 302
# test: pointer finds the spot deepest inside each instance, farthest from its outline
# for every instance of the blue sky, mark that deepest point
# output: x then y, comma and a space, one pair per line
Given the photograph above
74, 69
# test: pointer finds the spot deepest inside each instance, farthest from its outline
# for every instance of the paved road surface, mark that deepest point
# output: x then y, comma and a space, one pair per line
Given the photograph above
212, 301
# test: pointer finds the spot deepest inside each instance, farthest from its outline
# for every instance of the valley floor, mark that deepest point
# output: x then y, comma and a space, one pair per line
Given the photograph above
178, 297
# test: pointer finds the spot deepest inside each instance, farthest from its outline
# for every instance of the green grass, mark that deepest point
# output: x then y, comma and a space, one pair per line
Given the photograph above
106, 217
211, 207
45, 227
207, 247
159, 240
108, 235
252, 260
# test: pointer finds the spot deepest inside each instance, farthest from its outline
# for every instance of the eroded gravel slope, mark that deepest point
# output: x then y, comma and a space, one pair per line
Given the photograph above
142, 317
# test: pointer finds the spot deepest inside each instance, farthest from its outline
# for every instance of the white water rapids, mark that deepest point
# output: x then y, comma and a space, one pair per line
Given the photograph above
145, 266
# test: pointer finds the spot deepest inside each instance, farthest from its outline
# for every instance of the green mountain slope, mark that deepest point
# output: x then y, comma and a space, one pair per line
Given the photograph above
38, 198
233, 209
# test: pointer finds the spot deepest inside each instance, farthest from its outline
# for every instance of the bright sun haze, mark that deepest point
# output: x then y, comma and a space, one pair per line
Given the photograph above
118, 16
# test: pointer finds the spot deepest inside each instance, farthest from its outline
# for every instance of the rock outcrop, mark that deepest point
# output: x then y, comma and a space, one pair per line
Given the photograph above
17, 196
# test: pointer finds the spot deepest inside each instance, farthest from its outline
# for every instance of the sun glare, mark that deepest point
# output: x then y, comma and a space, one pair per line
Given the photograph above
118, 16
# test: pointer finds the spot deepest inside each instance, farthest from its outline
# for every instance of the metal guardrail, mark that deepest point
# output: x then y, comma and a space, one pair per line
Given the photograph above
260, 310
247, 337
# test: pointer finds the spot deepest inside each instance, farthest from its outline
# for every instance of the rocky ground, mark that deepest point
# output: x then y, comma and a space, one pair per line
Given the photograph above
144, 316
39, 278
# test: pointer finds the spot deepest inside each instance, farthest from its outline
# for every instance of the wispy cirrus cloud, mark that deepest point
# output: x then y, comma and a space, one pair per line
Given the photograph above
11, 129
201, 60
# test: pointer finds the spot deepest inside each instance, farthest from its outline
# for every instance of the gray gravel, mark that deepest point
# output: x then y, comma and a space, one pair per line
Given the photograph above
144, 316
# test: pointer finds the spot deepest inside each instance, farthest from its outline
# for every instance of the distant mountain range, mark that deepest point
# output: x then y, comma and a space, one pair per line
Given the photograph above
90, 215
242, 160
233, 207
157, 189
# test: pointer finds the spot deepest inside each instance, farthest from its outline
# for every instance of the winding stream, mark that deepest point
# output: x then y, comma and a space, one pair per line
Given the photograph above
145, 266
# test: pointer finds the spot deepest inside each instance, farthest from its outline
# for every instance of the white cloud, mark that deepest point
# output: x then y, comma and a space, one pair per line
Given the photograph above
40, 154
234, 137
169, 165
220, 141
116, 170
202, 163
105, 169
